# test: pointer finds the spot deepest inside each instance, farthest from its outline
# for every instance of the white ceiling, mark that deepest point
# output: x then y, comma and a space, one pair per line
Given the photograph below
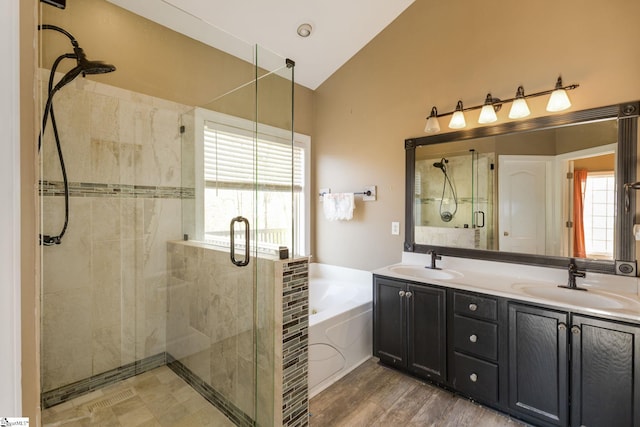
340, 27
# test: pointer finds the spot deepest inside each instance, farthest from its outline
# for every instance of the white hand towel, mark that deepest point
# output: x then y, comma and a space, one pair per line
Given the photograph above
338, 206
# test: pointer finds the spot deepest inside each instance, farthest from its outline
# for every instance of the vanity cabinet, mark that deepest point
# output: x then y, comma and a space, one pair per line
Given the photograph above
474, 335
410, 327
605, 373
545, 365
539, 363
556, 358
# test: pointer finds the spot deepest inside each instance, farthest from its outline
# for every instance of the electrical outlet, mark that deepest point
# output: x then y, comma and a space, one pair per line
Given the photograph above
395, 228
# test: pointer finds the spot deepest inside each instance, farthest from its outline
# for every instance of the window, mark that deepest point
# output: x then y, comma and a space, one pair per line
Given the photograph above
599, 214
236, 161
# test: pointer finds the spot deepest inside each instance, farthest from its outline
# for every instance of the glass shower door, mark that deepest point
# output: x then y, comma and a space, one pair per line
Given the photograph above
237, 158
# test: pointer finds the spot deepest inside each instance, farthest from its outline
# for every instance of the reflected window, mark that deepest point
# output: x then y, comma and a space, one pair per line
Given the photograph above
599, 214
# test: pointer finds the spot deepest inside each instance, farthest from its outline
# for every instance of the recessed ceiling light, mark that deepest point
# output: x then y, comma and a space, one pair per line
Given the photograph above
304, 30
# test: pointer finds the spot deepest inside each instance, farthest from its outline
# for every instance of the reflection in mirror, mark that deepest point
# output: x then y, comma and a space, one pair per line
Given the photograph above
555, 192
541, 191
454, 198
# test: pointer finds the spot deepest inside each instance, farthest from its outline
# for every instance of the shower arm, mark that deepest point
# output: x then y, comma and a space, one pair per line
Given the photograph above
72, 39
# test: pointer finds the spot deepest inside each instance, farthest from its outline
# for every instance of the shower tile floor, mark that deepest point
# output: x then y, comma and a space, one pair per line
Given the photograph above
156, 398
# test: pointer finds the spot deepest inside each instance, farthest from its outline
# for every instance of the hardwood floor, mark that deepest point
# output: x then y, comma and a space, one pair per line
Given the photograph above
374, 395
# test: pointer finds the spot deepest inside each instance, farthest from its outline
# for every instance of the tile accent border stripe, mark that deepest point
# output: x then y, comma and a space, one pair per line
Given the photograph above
295, 343
87, 385
214, 397
91, 189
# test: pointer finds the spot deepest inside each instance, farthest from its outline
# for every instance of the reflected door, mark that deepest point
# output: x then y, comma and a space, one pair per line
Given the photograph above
522, 186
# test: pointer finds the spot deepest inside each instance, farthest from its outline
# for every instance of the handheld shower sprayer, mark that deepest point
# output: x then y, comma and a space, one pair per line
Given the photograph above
446, 215
84, 67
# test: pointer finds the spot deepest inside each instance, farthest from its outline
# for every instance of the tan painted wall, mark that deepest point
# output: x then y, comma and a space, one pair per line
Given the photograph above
434, 54
604, 163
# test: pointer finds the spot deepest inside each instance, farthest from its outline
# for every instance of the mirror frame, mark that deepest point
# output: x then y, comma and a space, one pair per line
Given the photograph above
627, 115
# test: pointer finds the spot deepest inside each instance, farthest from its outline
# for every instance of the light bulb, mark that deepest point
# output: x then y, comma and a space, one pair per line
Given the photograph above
457, 120
559, 100
488, 113
519, 108
433, 125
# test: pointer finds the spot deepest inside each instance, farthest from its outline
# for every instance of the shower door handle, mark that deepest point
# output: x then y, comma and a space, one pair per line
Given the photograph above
232, 250
481, 213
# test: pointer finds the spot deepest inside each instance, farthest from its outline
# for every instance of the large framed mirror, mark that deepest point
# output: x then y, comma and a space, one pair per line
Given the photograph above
544, 191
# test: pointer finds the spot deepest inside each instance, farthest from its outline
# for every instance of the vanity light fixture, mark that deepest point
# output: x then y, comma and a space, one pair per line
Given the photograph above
519, 108
457, 120
433, 125
558, 101
488, 112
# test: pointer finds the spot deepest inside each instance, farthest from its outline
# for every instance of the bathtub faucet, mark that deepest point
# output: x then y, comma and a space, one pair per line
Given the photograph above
434, 257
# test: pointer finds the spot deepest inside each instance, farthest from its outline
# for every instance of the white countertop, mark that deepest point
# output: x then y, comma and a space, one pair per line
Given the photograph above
607, 295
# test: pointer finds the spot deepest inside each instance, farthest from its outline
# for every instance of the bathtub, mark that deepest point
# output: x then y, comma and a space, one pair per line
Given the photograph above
340, 323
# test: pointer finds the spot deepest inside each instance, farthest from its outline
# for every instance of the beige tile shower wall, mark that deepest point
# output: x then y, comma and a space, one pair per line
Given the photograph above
210, 319
107, 281
210, 322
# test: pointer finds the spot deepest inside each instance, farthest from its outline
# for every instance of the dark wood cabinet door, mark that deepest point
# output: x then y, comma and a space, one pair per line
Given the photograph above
389, 321
538, 364
605, 373
426, 332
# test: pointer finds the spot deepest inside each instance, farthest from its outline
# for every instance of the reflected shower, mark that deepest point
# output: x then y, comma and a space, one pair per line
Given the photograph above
446, 215
83, 67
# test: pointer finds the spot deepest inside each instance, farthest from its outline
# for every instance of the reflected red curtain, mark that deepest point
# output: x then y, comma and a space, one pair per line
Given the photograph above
579, 184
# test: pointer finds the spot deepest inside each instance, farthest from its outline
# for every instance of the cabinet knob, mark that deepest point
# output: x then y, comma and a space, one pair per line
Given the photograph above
575, 330
473, 338
473, 307
401, 293
473, 377
408, 294
562, 327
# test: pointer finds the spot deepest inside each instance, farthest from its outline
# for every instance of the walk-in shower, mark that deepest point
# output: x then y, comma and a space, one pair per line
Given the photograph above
133, 288
454, 197
83, 67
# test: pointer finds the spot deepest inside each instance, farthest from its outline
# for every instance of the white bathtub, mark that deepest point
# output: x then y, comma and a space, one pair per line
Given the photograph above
340, 323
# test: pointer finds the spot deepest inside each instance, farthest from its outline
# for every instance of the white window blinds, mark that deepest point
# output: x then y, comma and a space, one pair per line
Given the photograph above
232, 160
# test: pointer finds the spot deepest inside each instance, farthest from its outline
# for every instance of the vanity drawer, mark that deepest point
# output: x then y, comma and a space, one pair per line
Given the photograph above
475, 306
476, 377
476, 337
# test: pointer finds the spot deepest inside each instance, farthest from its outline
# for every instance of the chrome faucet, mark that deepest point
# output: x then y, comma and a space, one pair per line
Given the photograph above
573, 273
434, 257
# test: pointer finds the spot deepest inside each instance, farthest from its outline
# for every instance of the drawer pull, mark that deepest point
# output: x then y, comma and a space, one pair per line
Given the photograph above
473, 338
473, 307
408, 294
473, 377
401, 293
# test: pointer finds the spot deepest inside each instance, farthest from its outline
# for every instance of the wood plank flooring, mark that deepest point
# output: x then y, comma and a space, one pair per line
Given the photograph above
374, 395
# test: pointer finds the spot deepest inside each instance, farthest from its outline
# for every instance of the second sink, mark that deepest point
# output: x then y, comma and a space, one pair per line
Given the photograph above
591, 298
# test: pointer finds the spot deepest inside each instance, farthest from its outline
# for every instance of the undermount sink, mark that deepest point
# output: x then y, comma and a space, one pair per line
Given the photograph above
590, 298
420, 271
